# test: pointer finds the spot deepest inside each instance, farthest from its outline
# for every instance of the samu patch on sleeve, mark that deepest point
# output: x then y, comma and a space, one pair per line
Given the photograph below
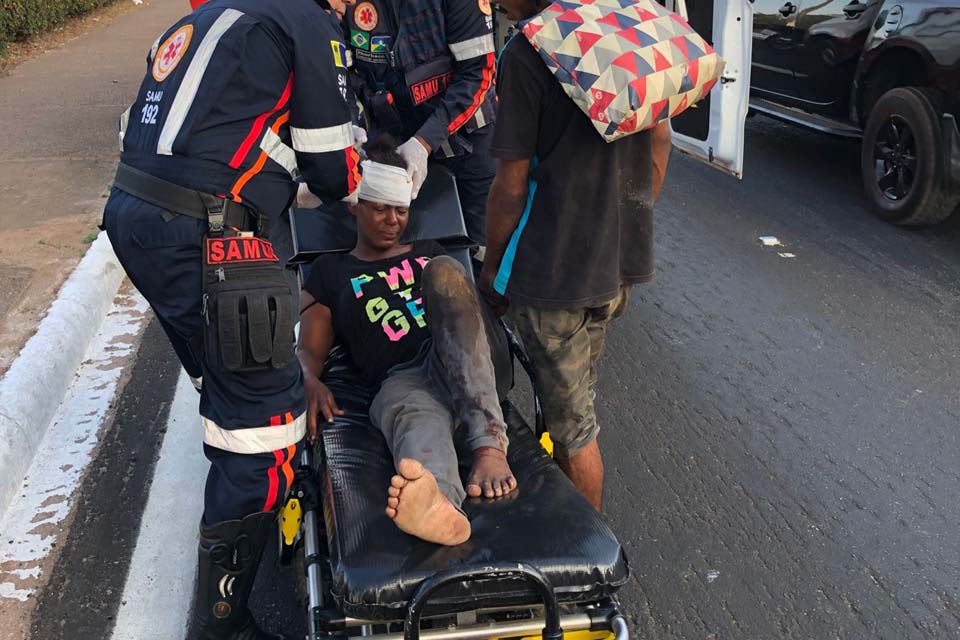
171, 52
426, 89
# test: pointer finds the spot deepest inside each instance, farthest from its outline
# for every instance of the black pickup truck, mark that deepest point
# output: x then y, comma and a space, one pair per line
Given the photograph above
886, 71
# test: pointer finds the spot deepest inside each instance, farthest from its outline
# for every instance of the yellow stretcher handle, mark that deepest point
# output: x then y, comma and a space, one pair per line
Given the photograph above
290, 519
546, 443
574, 635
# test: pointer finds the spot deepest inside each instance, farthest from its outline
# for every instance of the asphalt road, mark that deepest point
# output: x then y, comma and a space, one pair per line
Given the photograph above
780, 432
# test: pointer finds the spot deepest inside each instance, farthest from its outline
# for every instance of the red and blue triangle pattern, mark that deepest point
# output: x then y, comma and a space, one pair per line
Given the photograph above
628, 64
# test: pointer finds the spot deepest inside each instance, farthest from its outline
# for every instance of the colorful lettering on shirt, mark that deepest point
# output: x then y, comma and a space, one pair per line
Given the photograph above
416, 310
376, 307
358, 282
401, 328
405, 271
394, 322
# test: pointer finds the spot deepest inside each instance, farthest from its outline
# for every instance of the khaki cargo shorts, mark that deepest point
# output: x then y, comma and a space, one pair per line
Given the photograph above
564, 346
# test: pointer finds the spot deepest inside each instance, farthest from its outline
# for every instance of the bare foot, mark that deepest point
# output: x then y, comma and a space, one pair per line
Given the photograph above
491, 476
415, 503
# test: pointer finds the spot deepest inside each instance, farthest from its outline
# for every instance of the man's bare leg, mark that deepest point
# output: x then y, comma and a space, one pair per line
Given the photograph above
415, 503
585, 471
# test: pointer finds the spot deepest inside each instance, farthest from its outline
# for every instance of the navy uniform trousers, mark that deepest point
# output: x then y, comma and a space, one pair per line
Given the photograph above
474, 173
163, 260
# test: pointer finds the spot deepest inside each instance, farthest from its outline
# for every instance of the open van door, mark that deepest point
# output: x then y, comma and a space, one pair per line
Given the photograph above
713, 130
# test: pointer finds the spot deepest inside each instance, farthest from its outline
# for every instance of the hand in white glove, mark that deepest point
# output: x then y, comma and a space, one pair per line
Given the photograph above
305, 198
416, 155
359, 137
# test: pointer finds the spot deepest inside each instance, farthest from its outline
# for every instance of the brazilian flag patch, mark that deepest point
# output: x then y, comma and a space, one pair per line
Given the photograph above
360, 39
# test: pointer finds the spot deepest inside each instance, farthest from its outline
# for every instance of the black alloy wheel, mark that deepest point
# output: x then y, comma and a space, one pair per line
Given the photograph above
895, 156
902, 159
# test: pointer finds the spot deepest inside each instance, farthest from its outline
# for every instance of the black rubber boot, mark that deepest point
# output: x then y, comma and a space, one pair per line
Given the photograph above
229, 554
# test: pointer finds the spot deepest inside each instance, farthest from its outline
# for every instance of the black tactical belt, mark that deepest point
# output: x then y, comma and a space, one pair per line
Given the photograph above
218, 212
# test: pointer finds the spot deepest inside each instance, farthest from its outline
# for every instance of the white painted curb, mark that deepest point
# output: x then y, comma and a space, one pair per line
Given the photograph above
36, 382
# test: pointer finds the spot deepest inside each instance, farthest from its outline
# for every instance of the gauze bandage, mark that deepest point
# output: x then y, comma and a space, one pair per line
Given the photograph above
385, 184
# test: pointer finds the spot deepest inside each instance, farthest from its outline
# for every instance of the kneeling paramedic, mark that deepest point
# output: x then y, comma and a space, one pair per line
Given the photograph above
423, 71
239, 96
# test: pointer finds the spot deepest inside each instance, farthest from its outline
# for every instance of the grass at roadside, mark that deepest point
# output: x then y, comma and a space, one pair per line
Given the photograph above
24, 19
13, 52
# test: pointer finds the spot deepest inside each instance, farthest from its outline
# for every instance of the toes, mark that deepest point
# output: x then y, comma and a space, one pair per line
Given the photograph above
509, 484
393, 492
393, 503
397, 482
488, 489
473, 489
410, 469
391, 512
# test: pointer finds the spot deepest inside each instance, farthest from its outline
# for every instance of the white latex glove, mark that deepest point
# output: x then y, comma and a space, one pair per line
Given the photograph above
305, 198
359, 137
416, 156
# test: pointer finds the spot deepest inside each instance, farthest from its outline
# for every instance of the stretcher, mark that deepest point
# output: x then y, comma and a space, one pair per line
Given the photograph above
540, 563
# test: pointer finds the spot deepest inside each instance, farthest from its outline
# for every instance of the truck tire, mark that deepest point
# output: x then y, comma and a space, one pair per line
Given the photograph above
901, 159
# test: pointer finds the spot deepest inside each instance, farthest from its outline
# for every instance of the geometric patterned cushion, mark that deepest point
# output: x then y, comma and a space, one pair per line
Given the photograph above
627, 64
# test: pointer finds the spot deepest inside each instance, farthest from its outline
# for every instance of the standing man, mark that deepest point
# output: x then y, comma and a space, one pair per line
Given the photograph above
424, 74
569, 231
239, 96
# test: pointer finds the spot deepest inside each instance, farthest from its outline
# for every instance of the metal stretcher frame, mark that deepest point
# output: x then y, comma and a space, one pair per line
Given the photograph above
550, 620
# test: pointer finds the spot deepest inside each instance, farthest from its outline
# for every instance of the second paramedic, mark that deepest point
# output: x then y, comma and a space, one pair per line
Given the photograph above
423, 72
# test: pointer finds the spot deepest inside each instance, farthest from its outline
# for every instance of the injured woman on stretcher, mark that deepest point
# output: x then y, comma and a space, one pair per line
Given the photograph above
435, 380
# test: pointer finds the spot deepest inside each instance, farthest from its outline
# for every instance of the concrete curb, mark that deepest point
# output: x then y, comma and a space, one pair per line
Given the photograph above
31, 390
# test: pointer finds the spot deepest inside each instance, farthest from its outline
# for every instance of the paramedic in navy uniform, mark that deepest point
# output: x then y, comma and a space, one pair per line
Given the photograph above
239, 97
423, 71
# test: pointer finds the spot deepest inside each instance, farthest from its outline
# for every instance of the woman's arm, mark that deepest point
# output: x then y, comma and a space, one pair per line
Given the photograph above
313, 346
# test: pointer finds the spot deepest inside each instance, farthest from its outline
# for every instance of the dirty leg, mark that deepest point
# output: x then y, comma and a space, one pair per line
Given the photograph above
461, 346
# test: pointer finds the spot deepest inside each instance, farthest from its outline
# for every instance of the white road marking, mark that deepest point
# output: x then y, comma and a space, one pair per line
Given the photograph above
33, 520
163, 567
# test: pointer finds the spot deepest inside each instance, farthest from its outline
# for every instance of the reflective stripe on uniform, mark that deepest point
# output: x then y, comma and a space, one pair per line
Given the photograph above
481, 121
124, 121
254, 439
153, 49
279, 152
485, 83
258, 125
191, 81
324, 139
472, 48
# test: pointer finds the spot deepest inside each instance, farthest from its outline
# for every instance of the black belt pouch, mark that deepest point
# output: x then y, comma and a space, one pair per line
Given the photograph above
247, 305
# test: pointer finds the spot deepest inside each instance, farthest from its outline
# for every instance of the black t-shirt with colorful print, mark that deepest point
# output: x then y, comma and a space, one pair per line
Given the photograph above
377, 307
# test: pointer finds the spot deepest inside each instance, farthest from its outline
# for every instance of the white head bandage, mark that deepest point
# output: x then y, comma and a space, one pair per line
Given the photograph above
385, 184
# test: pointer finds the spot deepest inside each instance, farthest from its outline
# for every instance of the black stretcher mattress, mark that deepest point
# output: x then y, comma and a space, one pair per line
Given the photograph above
376, 568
